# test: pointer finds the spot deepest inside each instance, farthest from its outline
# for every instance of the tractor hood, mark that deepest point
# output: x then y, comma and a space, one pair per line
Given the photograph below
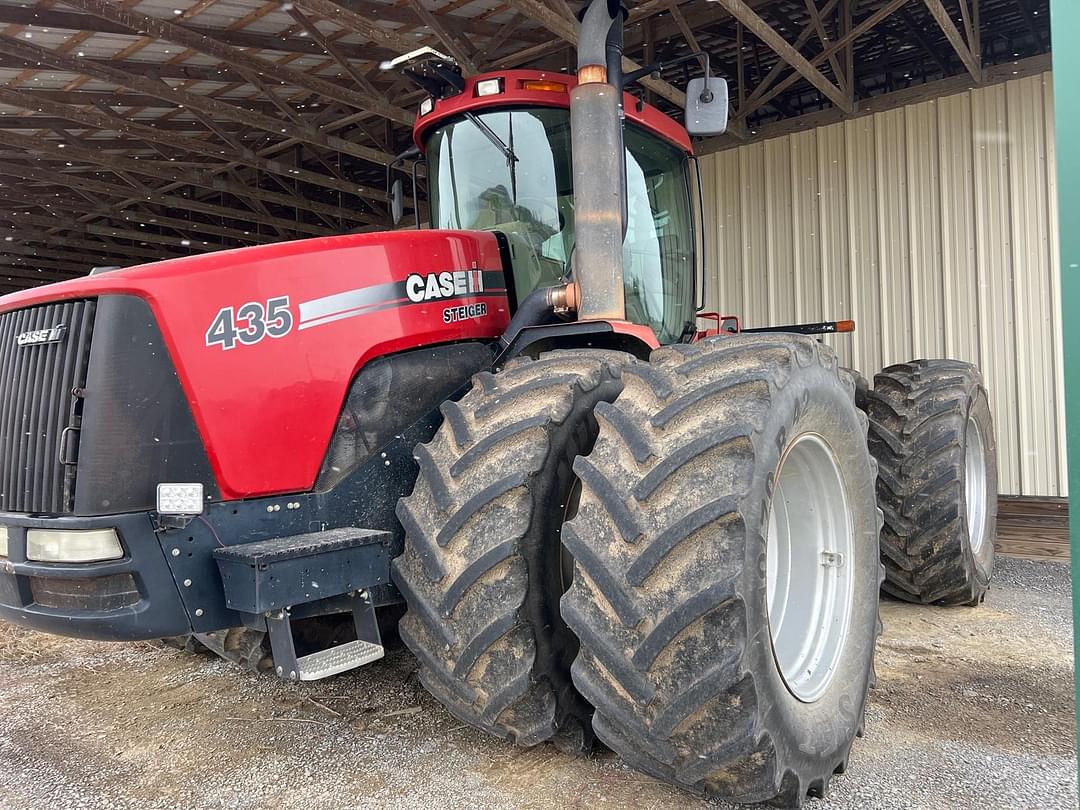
266, 340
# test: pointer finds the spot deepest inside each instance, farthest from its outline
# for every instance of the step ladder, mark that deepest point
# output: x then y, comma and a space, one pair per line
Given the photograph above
271, 580
322, 664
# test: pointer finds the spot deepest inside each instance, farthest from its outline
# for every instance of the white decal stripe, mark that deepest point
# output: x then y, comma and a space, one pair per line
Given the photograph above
346, 302
352, 313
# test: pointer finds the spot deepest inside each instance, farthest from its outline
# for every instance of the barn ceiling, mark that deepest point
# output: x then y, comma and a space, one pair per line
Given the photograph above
144, 129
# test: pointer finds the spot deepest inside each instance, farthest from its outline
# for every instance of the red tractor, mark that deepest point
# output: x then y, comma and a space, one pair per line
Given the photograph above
599, 518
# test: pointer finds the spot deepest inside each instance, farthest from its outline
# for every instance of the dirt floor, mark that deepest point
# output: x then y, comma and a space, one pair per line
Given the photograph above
974, 709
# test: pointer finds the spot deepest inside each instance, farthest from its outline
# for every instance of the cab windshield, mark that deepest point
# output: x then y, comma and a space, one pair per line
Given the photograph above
473, 186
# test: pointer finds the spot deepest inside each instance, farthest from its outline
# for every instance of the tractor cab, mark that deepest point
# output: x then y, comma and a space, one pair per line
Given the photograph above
498, 159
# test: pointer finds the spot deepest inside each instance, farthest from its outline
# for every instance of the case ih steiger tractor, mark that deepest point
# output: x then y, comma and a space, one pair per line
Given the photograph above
600, 520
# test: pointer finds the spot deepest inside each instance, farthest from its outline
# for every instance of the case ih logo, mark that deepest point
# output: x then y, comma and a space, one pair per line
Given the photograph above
54, 334
448, 284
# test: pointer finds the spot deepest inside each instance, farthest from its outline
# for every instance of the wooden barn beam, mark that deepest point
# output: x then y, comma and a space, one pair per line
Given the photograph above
16, 248
240, 59
500, 37
79, 242
971, 59
76, 22
564, 28
823, 37
165, 171
767, 34
332, 50
781, 65
863, 27
452, 42
151, 70
29, 100
923, 41
205, 104
170, 201
140, 217
360, 24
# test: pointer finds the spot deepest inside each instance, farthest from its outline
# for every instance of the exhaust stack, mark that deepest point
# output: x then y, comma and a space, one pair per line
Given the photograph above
599, 168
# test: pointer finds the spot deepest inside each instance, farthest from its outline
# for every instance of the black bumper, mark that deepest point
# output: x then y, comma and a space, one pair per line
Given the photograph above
168, 582
132, 598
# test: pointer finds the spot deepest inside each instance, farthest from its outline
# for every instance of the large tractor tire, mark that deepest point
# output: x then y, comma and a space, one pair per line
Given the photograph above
933, 437
482, 568
726, 572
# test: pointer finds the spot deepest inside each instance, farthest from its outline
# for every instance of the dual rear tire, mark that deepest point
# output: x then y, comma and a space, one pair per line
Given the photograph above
933, 436
726, 569
680, 555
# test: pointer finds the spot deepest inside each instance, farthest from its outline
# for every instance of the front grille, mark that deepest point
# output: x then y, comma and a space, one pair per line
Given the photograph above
38, 404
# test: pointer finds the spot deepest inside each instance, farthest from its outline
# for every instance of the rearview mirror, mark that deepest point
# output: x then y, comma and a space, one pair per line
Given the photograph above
707, 106
397, 201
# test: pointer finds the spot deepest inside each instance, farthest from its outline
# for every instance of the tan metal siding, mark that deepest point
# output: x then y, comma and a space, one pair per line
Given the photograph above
934, 226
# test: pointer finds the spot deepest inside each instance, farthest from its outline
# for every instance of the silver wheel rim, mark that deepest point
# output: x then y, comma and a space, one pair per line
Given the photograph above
975, 484
810, 588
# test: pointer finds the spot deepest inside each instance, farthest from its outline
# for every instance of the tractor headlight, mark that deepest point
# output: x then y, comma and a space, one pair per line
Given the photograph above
3, 541
427, 105
72, 546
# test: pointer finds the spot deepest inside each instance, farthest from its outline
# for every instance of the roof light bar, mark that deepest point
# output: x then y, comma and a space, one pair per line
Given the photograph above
488, 87
543, 86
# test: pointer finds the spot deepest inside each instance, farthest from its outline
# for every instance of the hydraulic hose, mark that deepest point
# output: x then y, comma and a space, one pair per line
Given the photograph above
537, 305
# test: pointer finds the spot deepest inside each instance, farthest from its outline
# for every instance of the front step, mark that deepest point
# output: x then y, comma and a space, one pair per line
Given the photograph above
336, 568
331, 661
322, 664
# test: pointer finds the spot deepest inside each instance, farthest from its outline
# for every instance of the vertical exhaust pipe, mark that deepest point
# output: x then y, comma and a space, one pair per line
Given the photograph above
599, 170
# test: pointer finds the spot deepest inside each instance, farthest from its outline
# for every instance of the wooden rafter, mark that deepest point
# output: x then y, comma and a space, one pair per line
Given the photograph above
240, 59
767, 34
57, 179
449, 40
31, 101
863, 27
558, 24
205, 104
971, 59
159, 170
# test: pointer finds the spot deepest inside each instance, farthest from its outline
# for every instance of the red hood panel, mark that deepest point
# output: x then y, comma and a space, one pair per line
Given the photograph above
266, 405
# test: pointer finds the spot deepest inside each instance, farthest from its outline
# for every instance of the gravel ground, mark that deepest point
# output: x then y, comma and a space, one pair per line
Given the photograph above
974, 709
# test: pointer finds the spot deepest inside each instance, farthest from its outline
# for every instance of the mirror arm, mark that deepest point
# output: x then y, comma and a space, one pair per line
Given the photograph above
656, 67
415, 196
412, 152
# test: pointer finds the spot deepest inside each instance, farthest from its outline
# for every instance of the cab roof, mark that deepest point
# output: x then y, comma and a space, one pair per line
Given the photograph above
515, 92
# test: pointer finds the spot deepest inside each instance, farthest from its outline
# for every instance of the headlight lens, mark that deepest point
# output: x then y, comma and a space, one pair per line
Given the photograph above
57, 545
3, 541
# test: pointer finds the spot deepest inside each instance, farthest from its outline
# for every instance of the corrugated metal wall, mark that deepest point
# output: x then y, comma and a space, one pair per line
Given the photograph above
934, 226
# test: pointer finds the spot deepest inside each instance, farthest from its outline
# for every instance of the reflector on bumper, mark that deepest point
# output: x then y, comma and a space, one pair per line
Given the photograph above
71, 546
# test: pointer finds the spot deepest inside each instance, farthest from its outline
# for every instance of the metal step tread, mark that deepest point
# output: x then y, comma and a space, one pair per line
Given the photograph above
331, 661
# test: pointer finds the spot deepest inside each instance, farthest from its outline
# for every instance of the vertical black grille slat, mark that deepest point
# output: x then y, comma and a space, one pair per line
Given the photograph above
54, 416
80, 358
39, 429
25, 396
37, 404
8, 434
